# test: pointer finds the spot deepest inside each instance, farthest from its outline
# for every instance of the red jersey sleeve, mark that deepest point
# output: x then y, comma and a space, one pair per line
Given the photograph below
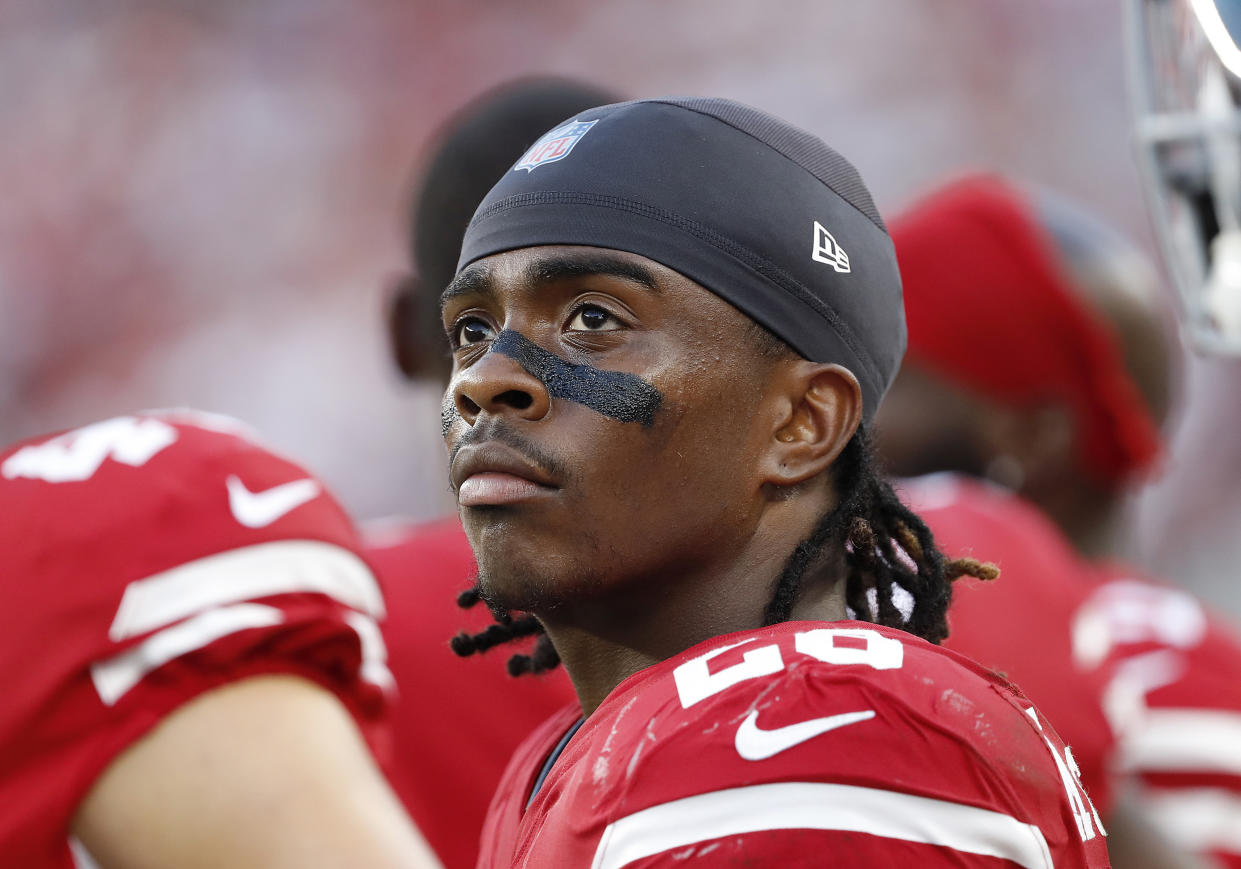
1021, 624
1175, 694
805, 744
144, 560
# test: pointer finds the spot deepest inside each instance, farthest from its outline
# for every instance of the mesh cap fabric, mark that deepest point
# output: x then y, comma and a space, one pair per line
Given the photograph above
761, 213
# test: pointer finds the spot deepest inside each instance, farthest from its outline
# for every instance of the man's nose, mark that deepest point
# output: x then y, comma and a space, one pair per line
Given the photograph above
496, 384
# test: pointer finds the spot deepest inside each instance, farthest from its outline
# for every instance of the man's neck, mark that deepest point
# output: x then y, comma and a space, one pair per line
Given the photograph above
603, 642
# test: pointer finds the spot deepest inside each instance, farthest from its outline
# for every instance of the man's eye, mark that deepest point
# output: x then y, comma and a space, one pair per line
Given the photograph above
592, 318
472, 330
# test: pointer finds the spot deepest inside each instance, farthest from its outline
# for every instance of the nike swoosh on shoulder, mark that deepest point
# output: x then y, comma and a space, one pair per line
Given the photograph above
259, 509
755, 744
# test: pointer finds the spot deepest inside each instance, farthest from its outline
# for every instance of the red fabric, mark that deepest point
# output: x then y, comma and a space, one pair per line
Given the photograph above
1162, 648
987, 306
456, 720
70, 549
1021, 624
943, 729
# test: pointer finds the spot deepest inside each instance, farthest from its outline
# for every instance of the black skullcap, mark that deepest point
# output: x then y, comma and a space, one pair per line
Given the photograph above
761, 213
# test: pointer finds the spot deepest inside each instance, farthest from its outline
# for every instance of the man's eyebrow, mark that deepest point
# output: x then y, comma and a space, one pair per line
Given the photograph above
567, 267
475, 279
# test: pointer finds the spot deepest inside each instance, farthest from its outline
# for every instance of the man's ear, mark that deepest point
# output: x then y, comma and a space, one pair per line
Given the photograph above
417, 345
819, 407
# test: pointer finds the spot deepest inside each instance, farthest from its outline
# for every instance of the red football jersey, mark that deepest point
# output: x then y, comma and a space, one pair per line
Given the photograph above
802, 744
445, 765
144, 560
1021, 624
1176, 693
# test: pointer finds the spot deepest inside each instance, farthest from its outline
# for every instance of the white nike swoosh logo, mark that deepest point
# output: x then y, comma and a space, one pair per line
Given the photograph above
755, 744
259, 509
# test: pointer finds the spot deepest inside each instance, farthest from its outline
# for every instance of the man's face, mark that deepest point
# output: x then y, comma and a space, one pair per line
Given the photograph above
600, 421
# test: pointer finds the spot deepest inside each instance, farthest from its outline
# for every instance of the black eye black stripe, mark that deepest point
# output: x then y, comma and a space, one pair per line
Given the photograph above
615, 394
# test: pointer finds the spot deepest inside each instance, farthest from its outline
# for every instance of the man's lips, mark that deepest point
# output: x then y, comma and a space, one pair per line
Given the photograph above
492, 473
489, 488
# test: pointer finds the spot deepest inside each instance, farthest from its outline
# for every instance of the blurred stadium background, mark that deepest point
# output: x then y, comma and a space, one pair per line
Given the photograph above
201, 203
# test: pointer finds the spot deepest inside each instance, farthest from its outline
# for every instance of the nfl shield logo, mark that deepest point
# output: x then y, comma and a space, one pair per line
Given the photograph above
554, 146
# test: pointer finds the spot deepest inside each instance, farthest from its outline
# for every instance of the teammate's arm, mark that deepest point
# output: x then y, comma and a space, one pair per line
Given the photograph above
270, 771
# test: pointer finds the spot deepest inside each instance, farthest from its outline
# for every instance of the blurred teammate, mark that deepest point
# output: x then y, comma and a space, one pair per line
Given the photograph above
424, 567
1055, 386
191, 657
1185, 79
1007, 378
472, 149
681, 496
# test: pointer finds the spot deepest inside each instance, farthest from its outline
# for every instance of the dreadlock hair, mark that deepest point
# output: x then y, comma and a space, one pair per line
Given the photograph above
886, 546
542, 657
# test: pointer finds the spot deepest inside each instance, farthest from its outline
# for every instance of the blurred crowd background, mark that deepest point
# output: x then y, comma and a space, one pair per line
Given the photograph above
202, 203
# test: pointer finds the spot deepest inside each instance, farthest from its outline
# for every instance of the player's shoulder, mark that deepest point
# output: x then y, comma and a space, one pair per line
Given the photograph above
1125, 614
803, 666
152, 557
116, 460
1040, 571
158, 489
1158, 642
957, 507
157, 511
1131, 615
835, 701
846, 711
80, 455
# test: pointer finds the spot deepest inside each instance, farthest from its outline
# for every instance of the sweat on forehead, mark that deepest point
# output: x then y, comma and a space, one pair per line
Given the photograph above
762, 214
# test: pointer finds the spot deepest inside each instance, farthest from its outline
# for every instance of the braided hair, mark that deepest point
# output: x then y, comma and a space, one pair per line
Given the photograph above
886, 547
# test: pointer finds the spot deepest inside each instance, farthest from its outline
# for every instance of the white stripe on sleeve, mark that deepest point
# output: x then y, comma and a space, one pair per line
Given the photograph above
115, 676
278, 567
374, 651
1184, 740
820, 806
1199, 819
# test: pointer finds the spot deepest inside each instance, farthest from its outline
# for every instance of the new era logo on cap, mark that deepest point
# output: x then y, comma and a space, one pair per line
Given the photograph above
554, 146
827, 250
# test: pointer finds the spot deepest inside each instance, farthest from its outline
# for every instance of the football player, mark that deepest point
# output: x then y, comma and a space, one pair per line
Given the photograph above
425, 566
1060, 396
672, 324
192, 661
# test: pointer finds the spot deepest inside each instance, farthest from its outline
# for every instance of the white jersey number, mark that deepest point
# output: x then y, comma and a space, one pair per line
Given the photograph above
77, 455
1084, 813
695, 681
